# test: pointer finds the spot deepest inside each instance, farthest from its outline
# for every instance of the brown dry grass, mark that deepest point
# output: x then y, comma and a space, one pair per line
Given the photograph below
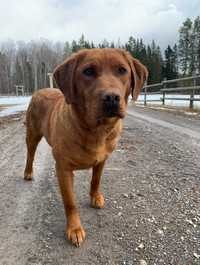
3, 106
179, 110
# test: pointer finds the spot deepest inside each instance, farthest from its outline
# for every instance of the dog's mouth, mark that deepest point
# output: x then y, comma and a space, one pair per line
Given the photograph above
111, 113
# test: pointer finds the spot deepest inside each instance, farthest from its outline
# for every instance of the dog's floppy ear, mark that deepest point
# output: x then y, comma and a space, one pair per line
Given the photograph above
139, 76
64, 77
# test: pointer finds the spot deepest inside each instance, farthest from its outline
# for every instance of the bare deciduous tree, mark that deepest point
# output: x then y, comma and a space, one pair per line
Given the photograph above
8, 50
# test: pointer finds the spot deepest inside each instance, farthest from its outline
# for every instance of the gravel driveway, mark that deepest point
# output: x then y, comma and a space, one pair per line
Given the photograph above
151, 187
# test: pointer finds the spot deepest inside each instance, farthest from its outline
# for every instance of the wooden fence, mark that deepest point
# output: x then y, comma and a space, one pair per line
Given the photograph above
163, 90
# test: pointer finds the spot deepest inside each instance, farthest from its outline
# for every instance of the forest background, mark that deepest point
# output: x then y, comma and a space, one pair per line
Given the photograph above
27, 63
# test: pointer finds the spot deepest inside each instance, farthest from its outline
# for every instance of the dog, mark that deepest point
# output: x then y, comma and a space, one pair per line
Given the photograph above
81, 120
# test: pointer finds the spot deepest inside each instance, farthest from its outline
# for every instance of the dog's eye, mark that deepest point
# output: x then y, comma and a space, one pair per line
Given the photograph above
89, 71
122, 70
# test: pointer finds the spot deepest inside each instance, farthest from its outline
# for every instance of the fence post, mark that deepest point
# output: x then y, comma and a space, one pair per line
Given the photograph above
50, 79
192, 92
16, 90
145, 96
164, 87
19, 88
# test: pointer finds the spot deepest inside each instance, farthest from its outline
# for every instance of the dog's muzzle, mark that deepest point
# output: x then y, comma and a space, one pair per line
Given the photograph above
111, 103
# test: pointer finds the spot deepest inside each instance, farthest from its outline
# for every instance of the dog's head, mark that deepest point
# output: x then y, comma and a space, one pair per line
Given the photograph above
99, 81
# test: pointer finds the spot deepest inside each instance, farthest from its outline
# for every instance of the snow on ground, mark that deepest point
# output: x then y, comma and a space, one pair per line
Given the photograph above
24, 101
170, 102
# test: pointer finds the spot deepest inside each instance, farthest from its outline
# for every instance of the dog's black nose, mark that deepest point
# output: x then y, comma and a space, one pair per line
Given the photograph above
111, 98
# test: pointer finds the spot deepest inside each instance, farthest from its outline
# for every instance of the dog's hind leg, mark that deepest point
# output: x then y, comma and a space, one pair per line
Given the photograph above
32, 143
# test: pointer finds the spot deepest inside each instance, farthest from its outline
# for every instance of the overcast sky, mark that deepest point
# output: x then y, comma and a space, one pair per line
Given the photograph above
64, 20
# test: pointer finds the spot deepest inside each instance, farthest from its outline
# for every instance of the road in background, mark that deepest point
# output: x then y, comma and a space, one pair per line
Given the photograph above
177, 123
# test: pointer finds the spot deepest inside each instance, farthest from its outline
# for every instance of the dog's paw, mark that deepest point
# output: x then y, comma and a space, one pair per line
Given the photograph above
97, 202
76, 236
28, 176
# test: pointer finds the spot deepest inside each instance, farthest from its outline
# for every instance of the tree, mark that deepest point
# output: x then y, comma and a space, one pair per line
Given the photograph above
130, 46
119, 46
67, 51
3, 74
34, 50
196, 32
47, 62
58, 50
92, 46
137, 49
17, 75
75, 47
142, 53
185, 45
82, 44
22, 55
149, 65
81, 41
8, 49
157, 63
87, 45
154, 63
112, 45
169, 65
175, 60
104, 44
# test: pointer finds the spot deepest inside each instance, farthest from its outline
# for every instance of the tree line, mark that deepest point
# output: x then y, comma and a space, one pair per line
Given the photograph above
27, 64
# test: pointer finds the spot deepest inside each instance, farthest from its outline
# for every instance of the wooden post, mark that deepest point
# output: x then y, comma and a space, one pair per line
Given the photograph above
145, 96
164, 87
19, 88
50, 79
192, 92
16, 90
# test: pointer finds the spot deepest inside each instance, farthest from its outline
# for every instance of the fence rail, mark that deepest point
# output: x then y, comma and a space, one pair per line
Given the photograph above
164, 90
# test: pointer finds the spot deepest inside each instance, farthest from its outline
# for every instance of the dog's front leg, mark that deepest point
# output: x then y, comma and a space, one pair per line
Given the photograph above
75, 232
96, 199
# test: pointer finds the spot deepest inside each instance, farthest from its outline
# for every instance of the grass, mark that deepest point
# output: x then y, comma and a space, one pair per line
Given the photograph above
179, 110
3, 106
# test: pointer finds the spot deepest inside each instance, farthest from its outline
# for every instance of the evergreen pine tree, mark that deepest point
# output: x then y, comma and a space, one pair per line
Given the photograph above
169, 65
157, 63
185, 45
175, 60
149, 65
143, 53
196, 32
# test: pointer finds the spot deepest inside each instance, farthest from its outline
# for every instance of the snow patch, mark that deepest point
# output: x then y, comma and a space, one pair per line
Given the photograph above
23, 101
160, 108
170, 102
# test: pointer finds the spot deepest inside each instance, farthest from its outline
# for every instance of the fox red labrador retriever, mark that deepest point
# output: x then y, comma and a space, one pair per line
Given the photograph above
82, 120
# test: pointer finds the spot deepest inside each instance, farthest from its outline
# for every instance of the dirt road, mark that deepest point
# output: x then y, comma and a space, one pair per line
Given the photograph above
151, 187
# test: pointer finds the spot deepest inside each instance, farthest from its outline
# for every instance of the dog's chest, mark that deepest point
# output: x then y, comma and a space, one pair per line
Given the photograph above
89, 157
83, 150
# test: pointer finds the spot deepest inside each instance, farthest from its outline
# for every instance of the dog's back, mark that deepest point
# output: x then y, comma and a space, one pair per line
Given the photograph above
39, 111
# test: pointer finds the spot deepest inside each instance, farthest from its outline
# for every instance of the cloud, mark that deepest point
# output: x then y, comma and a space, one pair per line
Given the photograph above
165, 25
65, 20
171, 11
